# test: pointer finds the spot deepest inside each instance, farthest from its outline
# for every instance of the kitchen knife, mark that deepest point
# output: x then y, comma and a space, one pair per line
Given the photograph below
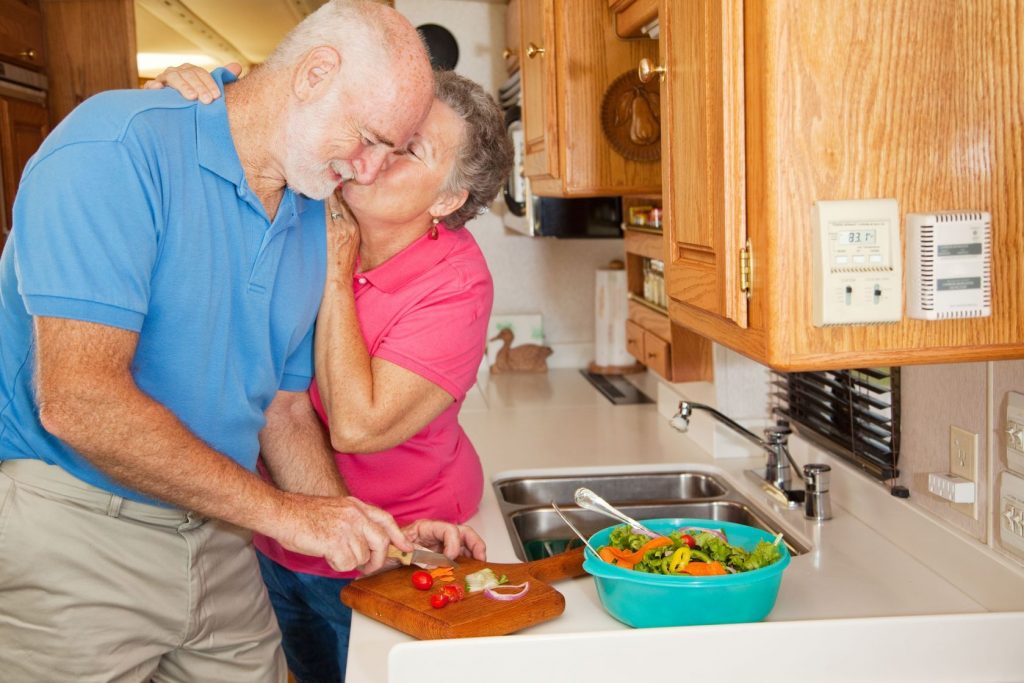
420, 556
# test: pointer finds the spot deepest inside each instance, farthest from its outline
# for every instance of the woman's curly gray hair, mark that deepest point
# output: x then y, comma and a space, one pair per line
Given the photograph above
485, 154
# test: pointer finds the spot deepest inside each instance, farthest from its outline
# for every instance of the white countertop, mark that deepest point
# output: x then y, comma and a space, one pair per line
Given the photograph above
880, 571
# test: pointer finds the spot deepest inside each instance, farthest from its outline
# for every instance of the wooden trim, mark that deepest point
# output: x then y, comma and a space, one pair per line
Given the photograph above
632, 17
692, 356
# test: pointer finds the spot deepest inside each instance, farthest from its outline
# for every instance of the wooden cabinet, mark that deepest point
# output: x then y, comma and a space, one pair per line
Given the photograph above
540, 113
673, 352
569, 56
21, 34
771, 106
23, 125
80, 64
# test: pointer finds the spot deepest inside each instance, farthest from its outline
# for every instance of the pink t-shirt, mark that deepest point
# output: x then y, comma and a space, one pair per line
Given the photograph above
425, 309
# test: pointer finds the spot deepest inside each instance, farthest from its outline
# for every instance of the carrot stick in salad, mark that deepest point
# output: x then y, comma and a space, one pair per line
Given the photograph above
628, 558
712, 568
638, 554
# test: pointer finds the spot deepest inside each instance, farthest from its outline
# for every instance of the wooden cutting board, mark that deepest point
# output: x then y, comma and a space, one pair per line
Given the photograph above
390, 598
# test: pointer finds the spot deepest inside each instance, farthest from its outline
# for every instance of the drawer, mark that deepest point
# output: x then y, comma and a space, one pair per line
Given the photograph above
21, 34
635, 340
657, 356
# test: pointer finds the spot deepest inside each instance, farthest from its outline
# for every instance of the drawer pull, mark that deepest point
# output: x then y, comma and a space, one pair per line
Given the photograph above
28, 54
532, 51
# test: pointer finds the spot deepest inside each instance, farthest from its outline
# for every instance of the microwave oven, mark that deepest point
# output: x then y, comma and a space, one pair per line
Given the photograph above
583, 217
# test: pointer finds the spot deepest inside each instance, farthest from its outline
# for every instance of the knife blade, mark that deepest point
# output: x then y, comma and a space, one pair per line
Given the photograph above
420, 557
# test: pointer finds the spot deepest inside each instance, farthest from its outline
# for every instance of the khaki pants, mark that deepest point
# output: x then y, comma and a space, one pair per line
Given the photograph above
96, 588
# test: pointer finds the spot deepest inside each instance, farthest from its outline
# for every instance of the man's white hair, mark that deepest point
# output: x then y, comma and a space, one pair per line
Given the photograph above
353, 27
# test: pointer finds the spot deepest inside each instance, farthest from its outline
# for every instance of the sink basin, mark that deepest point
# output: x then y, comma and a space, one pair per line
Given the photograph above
615, 488
537, 531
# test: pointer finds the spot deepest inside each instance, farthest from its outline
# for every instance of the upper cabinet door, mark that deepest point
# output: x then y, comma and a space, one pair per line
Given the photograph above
21, 34
539, 79
703, 155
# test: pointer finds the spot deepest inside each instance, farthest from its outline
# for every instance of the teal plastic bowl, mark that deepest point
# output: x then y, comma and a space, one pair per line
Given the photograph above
646, 600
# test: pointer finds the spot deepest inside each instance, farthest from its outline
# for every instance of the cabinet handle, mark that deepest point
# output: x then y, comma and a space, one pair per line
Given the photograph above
507, 52
645, 72
532, 50
28, 54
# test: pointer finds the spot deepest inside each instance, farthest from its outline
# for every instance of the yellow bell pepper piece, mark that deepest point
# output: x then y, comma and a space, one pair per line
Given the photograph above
680, 558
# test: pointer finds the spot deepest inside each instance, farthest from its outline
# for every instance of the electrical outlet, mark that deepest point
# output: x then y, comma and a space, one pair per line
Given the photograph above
963, 462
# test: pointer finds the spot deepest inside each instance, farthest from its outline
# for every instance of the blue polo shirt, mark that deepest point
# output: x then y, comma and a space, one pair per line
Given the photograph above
135, 213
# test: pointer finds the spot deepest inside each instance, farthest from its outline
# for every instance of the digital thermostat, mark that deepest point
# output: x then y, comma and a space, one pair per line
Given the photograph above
857, 262
949, 265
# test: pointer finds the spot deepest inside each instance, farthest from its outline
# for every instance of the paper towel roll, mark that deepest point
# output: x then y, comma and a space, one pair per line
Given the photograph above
610, 311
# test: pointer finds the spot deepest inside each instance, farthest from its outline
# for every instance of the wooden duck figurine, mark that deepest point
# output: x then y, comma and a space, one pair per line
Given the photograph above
523, 358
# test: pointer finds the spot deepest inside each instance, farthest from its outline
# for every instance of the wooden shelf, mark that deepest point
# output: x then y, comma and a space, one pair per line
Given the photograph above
642, 228
644, 302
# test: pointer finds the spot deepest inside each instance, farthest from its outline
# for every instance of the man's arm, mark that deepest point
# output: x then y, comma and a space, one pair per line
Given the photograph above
296, 450
88, 398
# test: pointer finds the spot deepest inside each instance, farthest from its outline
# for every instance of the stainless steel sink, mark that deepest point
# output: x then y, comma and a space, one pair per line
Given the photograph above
537, 531
615, 488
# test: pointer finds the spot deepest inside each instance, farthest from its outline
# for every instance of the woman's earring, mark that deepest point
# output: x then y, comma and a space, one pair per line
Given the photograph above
433, 229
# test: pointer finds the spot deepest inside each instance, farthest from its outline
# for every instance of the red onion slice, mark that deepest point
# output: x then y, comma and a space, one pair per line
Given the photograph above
713, 532
520, 591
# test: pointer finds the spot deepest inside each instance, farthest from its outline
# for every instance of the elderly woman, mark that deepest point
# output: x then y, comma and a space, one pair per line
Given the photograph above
400, 335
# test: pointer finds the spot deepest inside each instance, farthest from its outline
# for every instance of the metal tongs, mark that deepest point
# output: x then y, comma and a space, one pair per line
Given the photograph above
588, 500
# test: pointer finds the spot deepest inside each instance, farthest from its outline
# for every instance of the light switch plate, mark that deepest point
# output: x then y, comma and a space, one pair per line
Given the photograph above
1011, 513
1015, 432
963, 462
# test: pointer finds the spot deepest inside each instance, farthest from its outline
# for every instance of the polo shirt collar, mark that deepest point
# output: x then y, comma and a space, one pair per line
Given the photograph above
215, 146
413, 261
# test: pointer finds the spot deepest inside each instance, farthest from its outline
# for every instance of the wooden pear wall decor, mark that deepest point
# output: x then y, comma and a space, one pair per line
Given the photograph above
631, 117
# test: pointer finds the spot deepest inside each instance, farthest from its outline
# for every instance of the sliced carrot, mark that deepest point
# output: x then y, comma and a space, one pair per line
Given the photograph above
441, 571
637, 555
705, 569
606, 554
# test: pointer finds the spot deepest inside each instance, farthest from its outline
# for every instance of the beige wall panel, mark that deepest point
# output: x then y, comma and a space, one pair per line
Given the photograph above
933, 398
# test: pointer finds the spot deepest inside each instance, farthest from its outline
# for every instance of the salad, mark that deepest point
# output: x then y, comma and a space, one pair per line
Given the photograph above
692, 551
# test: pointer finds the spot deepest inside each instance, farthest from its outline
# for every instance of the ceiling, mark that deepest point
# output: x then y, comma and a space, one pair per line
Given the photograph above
213, 32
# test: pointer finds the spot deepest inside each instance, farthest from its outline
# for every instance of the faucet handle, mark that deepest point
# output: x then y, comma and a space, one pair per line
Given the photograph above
817, 500
816, 477
777, 434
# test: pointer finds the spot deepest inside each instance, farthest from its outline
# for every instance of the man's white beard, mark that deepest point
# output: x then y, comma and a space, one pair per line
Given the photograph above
304, 172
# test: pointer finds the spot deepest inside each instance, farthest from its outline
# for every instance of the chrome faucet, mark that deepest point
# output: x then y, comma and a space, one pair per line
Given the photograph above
776, 473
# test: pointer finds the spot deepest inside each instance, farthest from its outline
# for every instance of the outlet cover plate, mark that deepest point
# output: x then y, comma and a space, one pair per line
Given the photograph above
963, 462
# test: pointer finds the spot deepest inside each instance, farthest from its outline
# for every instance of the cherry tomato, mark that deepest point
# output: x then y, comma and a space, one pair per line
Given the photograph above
422, 580
453, 592
438, 600
689, 540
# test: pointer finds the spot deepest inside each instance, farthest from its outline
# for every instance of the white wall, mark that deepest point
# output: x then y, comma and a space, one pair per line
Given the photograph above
531, 275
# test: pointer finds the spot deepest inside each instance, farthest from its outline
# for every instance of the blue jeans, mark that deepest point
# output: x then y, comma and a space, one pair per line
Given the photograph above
314, 624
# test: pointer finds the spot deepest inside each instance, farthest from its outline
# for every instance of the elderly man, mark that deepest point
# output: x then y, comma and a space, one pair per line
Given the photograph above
157, 301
